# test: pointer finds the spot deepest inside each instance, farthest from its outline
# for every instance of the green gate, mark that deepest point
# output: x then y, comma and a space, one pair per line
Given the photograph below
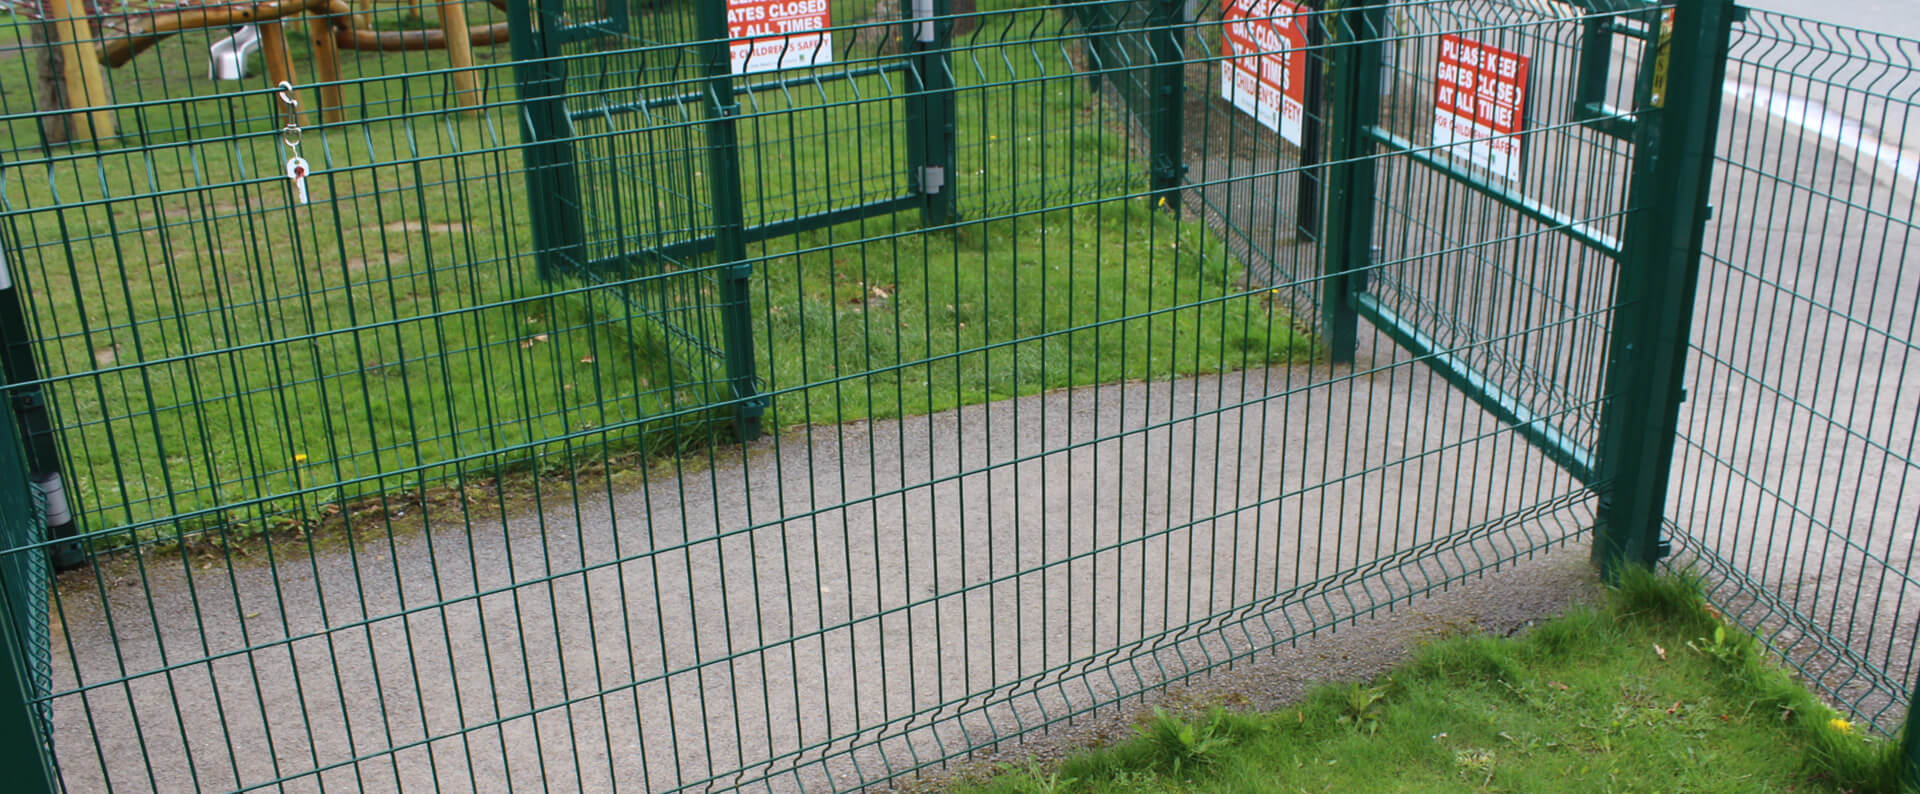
1611, 176
658, 188
1445, 255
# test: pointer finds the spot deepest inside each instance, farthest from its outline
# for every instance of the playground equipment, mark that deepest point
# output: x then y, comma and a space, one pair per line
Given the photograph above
111, 33
228, 56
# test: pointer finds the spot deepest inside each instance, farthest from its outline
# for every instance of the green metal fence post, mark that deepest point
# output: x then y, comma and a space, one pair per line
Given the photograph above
1910, 749
23, 747
24, 751
23, 744
1166, 25
553, 183
28, 406
1347, 251
1659, 269
729, 221
1097, 22
931, 110
1312, 179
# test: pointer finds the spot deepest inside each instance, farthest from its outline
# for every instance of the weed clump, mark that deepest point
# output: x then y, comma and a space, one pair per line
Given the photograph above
1179, 745
1675, 599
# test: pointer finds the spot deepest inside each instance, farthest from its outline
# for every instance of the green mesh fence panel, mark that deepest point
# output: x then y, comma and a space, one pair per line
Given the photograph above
1797, 459
417, 485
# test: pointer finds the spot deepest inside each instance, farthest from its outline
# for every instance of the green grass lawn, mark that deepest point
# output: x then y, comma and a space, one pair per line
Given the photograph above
215, 348
12, 31
1050, 300
1646, 693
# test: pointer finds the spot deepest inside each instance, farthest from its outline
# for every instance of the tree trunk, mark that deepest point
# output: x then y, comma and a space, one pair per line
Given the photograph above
50, 92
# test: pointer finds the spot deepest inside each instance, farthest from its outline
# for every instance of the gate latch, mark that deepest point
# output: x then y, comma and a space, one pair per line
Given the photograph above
923, 30
932, 179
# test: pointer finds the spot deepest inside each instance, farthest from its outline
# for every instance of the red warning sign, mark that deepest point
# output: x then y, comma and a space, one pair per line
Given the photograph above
1479, 107
769, 35
1264, 73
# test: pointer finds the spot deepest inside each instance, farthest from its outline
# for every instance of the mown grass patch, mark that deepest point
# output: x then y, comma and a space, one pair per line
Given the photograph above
1649, 692
1010, 308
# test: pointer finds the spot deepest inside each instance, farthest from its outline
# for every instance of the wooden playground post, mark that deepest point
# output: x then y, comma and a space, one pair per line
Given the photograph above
273, 49
453, 22
86, 87
326, 61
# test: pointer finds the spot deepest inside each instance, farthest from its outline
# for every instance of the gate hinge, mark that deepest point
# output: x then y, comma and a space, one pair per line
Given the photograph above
932, 178
747, 416
1362, 273
54, 509
752, 408
924, 30
27, 400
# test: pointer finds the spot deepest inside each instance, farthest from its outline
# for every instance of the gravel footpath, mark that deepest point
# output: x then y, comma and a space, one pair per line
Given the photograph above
847, 601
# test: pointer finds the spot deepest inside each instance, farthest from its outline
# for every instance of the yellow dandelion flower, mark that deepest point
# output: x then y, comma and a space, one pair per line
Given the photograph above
300, 457
1840, 725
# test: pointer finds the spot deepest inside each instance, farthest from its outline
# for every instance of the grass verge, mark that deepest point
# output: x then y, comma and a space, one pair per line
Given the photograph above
1649, 692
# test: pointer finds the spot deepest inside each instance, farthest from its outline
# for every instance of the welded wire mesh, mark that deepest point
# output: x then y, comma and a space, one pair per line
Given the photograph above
1512, 293
1252, 185
1796, 487
218, 356
371, 504
1027, 115
855, 598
